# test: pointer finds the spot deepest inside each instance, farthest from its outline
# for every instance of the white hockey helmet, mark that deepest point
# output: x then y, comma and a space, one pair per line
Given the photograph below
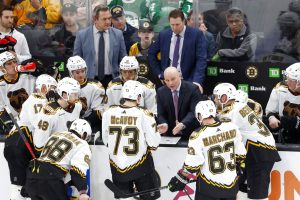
129, 63
6, 56
131, 90
293, 72
225, 89
241, 96
206, 109
45, 79
69, 86
75, 63
83, 128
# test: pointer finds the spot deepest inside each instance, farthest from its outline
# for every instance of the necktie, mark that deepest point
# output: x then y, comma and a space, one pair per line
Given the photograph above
101, 56
176, 52
175, 102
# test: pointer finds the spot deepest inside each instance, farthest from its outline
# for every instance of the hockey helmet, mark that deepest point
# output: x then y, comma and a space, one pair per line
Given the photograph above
293, 71
75, 63
129, 63
69, 86
241, 96
6, 56
45, 79
131, 90
225, 89
83, 128
206, 109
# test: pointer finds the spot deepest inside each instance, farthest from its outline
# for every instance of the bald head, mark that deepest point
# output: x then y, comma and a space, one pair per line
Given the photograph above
172, 78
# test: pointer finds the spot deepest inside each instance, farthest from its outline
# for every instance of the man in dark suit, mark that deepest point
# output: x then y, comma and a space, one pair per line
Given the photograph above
176, 103
101, 46
182, 47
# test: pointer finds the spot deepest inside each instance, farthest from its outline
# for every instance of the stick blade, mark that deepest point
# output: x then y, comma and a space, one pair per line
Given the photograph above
115, 189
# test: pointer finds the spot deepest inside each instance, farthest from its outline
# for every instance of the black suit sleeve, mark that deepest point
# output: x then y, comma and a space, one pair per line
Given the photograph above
195, 97
161, 109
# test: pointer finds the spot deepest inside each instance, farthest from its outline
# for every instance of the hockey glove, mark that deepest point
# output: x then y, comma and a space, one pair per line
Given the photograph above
290, 122
6, 123
178, 182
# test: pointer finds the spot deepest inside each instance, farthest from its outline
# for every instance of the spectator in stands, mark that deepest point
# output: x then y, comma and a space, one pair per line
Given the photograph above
129, 68
20, 48
37, 14
210, 40
140, 51
283, 111
101, 46
182, 47
65, 36
119, 22
235, 43
176, 103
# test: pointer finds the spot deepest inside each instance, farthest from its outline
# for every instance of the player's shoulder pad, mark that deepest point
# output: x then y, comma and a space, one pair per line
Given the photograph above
281, 84
146, 82
38, 96
51, 108
197, 133
96, 83
115, 81
146, 111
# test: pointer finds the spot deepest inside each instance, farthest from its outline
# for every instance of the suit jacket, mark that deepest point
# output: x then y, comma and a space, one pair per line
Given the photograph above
193, 57
84, 47
189, 96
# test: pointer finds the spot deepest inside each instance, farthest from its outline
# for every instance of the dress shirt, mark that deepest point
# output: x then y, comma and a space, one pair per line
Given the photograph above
172, 47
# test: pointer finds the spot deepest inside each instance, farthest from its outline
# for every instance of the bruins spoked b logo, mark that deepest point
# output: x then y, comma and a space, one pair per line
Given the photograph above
251, 72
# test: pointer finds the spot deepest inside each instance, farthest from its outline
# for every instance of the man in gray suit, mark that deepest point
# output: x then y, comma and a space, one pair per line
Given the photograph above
101, 46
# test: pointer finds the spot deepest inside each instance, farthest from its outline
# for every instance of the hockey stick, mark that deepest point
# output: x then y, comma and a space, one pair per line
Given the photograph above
120, 194
20, 132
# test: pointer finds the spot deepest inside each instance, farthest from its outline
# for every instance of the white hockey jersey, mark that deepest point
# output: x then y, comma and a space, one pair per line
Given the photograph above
53, 118
30, 109
213, 152
16, 90
283, 102
254, 132
94, 93
130, 133
148, 99
69, 153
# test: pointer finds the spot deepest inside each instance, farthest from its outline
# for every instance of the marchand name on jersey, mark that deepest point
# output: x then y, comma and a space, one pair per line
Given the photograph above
219, 137
127, 120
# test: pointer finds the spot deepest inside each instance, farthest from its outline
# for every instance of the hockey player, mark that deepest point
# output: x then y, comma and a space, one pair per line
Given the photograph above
258, 140
242, 97
92, 91
15, 150
64, 152
129, 69
130, 133
56, 115
214, 152
283, 106
14, 88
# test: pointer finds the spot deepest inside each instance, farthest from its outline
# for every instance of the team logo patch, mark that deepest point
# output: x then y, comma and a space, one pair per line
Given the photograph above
251, 72
191, 151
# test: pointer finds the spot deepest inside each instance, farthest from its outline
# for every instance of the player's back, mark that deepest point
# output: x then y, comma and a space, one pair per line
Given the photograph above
129, 133
53, 118
220, 146
30, 109
66, 150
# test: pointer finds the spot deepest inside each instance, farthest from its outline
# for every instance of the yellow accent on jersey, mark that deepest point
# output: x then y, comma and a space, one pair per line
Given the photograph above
259, 145
202, 176
192, 169
25, 130
111, 83
39, 95
146, 111
97, 83
281, 84
196, 134
132, 166
78, 171
49, 110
